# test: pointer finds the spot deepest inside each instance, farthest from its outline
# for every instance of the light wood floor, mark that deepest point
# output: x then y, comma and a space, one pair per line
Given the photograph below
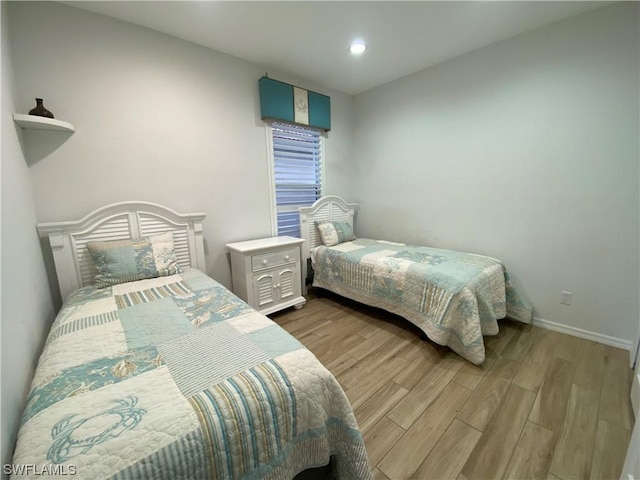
543, 405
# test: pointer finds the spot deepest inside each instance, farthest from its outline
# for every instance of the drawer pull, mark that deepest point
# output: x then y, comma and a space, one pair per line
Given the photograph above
286, 257
264, 262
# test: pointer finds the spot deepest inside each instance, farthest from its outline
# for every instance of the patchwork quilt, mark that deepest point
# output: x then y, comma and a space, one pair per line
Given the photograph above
177, 378
454, 298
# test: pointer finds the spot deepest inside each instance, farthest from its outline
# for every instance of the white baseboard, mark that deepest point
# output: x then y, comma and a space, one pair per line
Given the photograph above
581, 333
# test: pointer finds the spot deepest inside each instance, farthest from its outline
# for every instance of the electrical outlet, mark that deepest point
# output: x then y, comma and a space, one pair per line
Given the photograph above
566, 298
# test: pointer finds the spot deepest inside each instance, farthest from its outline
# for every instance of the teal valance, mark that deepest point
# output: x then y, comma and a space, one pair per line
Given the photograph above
282, 101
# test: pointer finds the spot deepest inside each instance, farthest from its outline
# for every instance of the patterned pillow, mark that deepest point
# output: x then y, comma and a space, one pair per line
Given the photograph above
121, 261
333, 233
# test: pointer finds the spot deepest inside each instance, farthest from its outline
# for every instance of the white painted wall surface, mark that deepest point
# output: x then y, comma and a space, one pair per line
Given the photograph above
27, 308
526, 150
157, 119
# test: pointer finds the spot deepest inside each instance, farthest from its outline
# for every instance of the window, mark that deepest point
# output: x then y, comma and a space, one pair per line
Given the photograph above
296, 168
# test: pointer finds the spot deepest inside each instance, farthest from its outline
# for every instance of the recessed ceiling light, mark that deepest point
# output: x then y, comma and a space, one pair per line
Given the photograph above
357, 47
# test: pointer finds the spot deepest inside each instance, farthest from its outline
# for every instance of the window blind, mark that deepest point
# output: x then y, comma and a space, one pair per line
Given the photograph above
297, 167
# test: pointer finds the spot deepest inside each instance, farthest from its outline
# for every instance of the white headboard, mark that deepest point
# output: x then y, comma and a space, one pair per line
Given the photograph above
330, 207
119, 221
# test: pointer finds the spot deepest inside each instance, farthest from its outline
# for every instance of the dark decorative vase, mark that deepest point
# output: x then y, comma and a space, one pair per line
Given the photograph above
39, 110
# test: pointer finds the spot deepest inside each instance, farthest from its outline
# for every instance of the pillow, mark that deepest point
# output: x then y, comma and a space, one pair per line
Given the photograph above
121, 261
333, 233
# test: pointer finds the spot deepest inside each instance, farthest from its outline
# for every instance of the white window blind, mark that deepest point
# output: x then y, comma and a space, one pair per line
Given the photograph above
297, 172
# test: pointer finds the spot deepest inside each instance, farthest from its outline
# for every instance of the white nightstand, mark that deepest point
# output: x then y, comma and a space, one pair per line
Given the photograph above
267, 273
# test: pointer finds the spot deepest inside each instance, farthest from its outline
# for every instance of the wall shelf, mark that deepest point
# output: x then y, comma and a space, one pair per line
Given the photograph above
42, 123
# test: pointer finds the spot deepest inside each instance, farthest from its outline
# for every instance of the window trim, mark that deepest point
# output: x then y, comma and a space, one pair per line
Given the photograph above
273, 207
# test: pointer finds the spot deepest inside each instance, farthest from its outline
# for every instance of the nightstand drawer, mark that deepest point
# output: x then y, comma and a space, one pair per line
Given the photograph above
268, 260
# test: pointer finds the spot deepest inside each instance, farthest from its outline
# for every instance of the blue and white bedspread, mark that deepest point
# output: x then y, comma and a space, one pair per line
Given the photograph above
454, 298
177, 378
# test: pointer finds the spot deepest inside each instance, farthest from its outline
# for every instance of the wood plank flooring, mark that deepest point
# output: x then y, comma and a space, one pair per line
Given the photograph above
543, 405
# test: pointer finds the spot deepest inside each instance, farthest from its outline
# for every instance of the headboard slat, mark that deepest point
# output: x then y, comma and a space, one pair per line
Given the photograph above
119, 221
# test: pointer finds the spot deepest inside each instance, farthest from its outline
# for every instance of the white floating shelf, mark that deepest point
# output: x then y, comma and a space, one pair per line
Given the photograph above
42, 123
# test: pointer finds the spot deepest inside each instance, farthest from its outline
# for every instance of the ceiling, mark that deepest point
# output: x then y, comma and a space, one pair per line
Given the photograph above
310, 39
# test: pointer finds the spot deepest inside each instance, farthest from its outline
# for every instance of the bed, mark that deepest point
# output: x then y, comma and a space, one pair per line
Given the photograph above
171, 375
455, 298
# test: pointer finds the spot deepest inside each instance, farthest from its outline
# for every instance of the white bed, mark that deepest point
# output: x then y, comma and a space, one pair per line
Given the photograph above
455, 298
173, 376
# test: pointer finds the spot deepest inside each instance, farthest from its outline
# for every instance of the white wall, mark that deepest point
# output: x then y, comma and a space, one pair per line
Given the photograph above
526, 150
27, 308
157, 119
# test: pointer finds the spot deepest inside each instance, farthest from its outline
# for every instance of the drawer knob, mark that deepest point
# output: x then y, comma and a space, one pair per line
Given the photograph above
264, 262
286, 257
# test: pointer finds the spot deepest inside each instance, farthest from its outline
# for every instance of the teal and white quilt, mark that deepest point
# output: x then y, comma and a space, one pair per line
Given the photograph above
454, 298
176, 378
